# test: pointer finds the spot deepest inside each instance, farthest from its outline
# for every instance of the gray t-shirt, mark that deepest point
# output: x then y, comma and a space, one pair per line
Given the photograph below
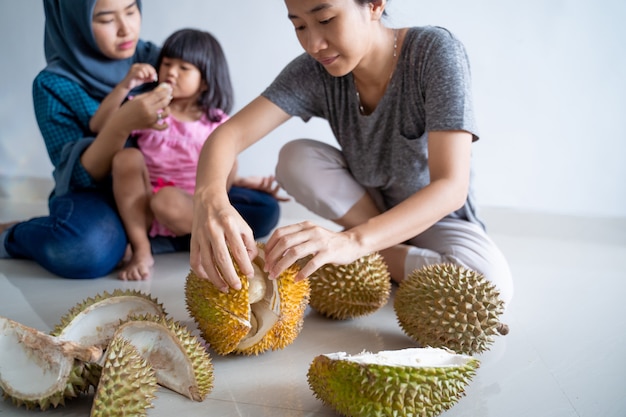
387, 149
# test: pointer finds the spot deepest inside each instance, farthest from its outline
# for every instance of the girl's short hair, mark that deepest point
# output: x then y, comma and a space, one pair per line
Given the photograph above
202, 50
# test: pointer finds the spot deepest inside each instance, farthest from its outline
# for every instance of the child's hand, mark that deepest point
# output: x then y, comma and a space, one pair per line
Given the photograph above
139, 74
265, 184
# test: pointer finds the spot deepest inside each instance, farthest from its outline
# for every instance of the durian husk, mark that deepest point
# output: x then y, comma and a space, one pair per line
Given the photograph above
368, 384
348, 291
94, 320
447, 305
228, 321
180, 361
128, 383
38, 370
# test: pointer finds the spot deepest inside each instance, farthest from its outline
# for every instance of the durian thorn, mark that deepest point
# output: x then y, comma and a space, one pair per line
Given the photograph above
503, 329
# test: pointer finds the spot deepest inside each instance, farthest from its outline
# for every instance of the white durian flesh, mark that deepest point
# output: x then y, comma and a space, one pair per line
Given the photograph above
39, 370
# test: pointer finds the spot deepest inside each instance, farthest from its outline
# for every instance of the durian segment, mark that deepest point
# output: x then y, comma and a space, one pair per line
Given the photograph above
450, 306
94, 320
349, 291
38, 370
179, 360
410, 382
128, 383
264, 315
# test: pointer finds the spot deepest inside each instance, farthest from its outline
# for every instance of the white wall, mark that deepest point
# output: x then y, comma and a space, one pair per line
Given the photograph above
549, 85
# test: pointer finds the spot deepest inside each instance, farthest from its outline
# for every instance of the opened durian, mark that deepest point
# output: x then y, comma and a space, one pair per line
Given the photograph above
450, 306
38, 370
94, 320
127, 385
348, 291
410, 382
181, 363
263, 315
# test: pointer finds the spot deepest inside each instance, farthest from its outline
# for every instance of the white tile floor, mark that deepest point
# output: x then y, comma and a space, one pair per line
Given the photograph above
565, 355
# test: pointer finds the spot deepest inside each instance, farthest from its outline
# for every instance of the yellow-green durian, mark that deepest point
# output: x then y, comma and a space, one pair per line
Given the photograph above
348, 291
409, 382
38, 370
263, 315
447, 305
180, 361
128, 383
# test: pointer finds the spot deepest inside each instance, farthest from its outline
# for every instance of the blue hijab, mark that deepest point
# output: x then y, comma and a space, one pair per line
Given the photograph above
71, 49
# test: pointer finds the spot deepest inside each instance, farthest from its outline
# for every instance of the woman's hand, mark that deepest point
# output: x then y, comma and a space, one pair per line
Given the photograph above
218, 231
266, 184
290, 243
144, 111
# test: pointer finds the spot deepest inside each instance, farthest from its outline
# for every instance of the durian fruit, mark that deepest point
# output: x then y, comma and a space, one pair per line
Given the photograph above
181, 363
263, 315
409, 382
349, 291
447, 305
38, 370
94, 320
128, 383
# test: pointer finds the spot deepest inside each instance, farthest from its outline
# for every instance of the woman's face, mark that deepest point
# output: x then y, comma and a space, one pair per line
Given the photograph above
116, 25
334, 32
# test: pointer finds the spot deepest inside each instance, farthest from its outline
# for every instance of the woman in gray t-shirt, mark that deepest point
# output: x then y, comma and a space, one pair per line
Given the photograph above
399, 104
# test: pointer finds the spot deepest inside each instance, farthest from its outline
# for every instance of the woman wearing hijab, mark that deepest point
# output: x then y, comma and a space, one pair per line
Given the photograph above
90, 46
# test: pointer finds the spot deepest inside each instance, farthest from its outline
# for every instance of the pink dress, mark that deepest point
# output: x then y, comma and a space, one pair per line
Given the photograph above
172, 154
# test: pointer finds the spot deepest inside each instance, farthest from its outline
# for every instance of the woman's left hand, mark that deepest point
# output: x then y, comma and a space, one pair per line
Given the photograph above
290, 243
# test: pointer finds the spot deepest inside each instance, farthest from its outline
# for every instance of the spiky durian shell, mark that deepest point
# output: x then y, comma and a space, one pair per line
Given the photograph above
377, 389
127, 302
348, 291
162, 342
53, 370
450, 306
127, 385
224, 320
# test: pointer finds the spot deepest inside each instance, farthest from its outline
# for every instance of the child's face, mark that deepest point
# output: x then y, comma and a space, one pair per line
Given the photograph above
116, 25
185, 78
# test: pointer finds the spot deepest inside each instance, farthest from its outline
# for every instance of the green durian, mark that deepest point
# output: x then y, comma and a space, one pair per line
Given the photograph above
128, 383
38, 370
180, 362
349, 291
263, 315
409, 382
450, 306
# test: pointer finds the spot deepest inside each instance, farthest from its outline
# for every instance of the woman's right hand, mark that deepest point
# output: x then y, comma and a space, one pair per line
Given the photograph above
219, 232
144, 111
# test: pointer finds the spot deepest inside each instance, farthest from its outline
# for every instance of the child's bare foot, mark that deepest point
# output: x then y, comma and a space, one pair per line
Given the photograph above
138, 268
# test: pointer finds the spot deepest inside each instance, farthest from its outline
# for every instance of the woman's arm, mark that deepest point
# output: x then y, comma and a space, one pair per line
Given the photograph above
449, 166
218, 230
137, 75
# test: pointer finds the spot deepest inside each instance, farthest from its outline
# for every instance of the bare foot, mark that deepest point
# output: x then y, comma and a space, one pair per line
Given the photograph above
5, 226
139, 267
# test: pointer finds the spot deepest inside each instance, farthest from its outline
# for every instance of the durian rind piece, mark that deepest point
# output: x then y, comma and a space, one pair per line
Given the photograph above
128, 383
180, 361
348, 291
233, 323
38, 370
447, 305
410, 382
94, 320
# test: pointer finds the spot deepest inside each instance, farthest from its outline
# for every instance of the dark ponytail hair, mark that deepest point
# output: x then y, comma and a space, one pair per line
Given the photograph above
203, 51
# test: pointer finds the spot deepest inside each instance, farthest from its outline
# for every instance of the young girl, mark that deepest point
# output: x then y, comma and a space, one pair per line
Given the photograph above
399, 104
154, 183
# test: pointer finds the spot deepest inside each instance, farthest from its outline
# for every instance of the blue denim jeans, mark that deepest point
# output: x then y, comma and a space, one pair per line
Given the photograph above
83, 236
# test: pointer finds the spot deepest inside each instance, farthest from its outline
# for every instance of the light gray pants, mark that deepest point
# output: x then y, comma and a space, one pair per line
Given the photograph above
316, 175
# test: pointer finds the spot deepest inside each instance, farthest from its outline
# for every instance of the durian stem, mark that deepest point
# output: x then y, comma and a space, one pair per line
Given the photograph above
503, 329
